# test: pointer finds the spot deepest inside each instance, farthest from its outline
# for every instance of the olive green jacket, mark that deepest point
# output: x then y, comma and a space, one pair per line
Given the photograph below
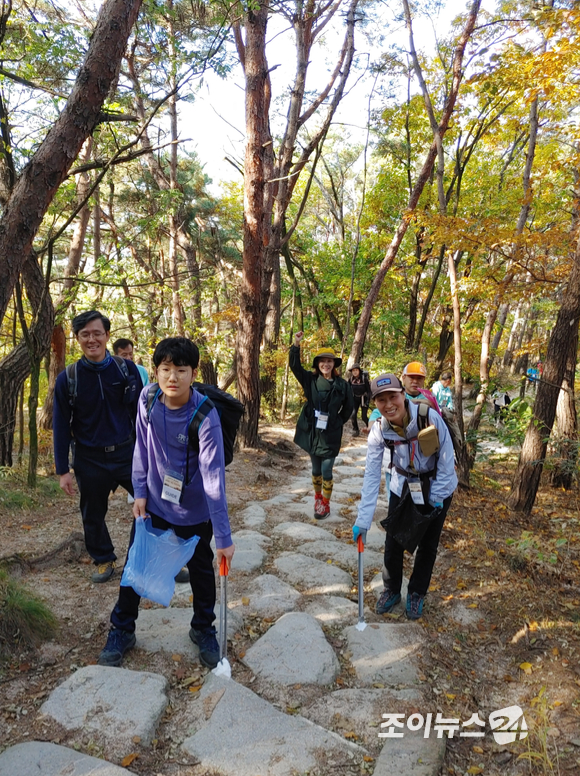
339, 404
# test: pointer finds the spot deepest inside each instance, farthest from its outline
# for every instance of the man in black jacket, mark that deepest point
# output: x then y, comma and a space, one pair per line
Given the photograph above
95, 404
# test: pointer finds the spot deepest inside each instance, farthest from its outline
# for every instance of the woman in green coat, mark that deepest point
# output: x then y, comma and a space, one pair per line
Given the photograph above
329, 404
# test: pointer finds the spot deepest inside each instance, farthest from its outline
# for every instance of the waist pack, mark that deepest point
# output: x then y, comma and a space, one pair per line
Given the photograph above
407, 523
229, 409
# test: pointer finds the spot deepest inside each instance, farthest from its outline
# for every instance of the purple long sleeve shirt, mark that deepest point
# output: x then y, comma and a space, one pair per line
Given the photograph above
162, 445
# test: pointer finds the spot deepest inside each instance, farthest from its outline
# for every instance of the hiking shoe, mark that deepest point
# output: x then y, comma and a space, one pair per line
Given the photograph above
209, 651
183, 575
387, 601
322, 509
414, 606
104, 571
118, 642
317, 503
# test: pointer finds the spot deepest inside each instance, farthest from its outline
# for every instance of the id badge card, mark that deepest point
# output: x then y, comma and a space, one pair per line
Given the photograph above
321, 419
172, 487
416, 492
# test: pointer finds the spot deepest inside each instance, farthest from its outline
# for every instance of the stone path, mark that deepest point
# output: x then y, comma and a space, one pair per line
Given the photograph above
308, 694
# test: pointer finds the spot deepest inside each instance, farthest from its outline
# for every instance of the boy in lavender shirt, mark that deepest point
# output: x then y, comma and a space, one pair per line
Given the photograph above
179, 489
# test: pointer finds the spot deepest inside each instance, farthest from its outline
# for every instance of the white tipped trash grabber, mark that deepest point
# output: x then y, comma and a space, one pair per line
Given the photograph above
223, 668
361, 625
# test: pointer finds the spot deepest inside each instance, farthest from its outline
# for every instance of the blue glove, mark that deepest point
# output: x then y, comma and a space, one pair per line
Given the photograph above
356, 532
436, 504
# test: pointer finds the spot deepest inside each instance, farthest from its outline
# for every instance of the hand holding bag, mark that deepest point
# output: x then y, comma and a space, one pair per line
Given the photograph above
154, 559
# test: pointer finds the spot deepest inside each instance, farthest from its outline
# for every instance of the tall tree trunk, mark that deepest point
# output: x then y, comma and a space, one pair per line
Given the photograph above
509, 351
564, 442
37, 184
254, 229
427, 303
463, 461
562, 348
174, 217
68, 293
502, 318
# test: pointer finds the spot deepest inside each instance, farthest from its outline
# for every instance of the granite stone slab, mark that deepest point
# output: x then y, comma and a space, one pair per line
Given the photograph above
312, 575
385, 653
303, 532
412, 755
279, 655
244, 735
38, 758
270, 596
168, 629
344, 554
114, 702
253, 516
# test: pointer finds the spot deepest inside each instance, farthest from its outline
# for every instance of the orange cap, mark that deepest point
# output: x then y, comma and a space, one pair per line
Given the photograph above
415, 368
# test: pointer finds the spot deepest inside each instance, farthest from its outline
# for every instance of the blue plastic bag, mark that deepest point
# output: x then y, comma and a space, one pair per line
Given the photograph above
155, 557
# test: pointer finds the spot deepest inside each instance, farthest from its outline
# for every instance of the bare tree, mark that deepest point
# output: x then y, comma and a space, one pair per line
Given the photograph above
423, 177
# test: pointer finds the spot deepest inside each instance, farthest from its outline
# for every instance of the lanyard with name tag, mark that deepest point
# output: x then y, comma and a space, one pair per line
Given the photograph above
172, 486
321, 419
173, 481
416, 492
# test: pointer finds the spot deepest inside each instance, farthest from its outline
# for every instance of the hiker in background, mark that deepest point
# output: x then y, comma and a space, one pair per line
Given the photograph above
413, 380
329, 404
442, 391
501, 400
533, 375
178, 488
95, 403
124, 348
361, 391
423, 480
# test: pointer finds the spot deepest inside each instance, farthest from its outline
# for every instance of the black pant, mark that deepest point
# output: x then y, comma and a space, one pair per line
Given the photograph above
201, 579
97, 474
425, 554
364, 412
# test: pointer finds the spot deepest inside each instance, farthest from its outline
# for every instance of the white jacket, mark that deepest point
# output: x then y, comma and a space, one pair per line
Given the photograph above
442, 486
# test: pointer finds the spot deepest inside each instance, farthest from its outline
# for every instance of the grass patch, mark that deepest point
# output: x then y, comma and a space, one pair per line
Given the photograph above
16, 495
25, 620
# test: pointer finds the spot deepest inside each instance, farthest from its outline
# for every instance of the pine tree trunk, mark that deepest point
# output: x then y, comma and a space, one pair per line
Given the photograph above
40, 179
68, 293
561, 349
257, 133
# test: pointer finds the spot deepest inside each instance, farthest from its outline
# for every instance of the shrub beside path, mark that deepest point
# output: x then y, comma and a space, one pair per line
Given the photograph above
308, 689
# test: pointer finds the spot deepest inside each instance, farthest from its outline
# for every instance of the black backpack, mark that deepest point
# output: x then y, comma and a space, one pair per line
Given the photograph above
129, 393
229, 409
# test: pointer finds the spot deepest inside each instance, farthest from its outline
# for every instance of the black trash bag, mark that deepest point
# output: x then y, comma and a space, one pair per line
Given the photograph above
408, 522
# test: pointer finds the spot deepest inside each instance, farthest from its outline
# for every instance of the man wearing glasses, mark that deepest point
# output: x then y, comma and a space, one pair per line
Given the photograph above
95, 404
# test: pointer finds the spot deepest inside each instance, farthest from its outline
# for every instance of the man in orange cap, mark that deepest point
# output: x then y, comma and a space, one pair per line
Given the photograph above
413, 379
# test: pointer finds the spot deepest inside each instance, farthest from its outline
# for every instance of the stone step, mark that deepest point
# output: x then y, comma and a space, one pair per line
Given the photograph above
39, 758
241, 734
